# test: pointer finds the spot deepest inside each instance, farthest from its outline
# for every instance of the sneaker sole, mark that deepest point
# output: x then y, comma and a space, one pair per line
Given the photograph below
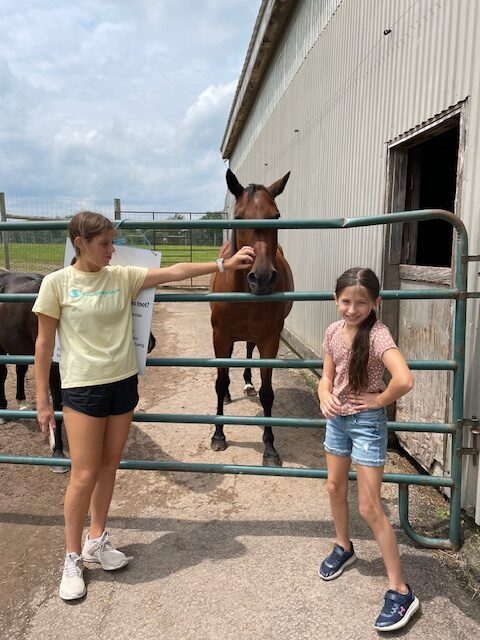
413, 608
340, 571
87, 558
72, 597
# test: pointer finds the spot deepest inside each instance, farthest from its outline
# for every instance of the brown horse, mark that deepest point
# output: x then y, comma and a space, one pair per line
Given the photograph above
260, 323
18, 333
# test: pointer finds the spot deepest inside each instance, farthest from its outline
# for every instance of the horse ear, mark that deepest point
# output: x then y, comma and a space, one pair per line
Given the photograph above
277, 187
233, 184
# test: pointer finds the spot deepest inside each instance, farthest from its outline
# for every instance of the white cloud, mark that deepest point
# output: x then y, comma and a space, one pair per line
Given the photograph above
119, 99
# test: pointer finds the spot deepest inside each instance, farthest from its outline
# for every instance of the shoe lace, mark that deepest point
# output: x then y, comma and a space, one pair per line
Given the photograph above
105, 544
71, 567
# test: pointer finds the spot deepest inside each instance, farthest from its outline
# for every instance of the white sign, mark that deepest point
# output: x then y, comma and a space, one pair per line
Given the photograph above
142, 305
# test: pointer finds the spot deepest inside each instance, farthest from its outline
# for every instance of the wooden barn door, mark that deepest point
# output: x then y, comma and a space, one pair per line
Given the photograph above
423, 174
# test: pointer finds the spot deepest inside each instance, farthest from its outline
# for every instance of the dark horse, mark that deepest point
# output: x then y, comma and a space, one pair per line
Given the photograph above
18, 332
260, 323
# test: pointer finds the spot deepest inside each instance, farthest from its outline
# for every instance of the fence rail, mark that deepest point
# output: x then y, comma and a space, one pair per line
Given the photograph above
458, 293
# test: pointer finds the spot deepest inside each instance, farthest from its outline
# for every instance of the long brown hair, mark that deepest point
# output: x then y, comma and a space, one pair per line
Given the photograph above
87, 225
358, 369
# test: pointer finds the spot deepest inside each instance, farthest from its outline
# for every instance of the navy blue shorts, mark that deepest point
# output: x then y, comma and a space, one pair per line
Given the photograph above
102, 400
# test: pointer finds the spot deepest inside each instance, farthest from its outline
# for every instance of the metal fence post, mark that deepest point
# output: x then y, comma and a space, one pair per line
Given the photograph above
117, 207
4, 234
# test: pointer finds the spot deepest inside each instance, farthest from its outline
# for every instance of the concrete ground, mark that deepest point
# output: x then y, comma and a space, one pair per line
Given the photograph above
215, 557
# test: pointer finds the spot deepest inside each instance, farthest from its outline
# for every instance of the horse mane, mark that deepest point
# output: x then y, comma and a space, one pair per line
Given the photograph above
253, 188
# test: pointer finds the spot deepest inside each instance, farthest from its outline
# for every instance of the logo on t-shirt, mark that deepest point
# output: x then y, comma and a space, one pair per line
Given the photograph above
76, 294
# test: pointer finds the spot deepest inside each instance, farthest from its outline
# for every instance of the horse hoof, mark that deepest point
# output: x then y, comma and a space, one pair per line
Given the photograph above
227, 399
249, 390
218, 444
62, 469
23, 406
273, 461
3, 421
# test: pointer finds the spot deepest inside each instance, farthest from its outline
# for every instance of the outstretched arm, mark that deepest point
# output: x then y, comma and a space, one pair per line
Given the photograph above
243, 259
44, 346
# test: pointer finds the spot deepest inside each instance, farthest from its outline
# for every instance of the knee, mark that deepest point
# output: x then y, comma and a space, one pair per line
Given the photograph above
336, 489
83, 481
110, 465
371, 512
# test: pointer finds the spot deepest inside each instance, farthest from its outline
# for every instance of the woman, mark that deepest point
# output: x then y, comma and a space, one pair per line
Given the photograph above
90, 305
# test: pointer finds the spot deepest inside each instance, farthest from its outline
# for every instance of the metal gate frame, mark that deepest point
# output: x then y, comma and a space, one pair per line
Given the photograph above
455, 427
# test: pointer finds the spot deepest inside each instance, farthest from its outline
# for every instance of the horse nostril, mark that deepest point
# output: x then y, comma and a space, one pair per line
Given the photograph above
251, 277
273, 277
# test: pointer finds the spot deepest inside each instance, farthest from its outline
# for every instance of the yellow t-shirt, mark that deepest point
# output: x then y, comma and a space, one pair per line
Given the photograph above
95, 322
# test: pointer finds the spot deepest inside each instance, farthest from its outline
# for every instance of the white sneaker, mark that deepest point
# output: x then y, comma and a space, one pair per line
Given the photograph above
72, 585
104, 553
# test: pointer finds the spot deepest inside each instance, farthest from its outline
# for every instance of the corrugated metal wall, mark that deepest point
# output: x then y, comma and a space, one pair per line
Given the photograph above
337, 91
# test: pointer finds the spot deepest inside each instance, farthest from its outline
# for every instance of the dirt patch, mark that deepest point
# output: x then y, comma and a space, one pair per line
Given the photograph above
213, 556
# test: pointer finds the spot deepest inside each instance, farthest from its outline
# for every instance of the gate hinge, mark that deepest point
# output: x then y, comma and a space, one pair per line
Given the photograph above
473, 451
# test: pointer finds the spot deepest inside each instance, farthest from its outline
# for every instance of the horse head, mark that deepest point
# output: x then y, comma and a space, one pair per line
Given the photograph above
257, 202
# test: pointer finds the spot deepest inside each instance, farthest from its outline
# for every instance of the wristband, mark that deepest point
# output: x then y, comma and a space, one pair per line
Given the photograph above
220, 265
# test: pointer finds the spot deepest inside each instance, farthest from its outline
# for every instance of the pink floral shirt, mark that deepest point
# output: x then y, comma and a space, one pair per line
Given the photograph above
340, 351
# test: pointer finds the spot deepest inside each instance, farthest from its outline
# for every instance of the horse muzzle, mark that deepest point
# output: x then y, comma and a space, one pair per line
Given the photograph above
261, 283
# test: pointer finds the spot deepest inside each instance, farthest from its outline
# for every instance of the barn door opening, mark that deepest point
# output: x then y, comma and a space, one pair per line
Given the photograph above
424, 173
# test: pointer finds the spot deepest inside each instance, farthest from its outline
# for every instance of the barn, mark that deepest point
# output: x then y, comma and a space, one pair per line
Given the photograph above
374, 107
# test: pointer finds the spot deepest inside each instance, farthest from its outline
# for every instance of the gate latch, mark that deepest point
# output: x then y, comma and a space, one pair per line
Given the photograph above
473, 451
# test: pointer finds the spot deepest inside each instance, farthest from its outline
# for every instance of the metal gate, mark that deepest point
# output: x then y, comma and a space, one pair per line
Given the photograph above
455, 427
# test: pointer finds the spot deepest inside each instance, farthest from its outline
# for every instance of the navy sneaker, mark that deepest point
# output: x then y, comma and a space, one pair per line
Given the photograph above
336, 562
397, 610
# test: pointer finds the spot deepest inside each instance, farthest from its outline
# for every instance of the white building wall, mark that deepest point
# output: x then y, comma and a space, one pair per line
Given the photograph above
337, 91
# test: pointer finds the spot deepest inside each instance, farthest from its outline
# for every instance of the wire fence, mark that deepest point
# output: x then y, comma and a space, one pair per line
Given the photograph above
42, 251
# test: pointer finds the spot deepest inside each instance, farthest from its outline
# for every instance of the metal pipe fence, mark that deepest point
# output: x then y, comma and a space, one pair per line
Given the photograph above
454, 429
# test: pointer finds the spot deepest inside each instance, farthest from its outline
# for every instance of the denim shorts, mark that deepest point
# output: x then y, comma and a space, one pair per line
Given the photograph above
363, 436
102, 400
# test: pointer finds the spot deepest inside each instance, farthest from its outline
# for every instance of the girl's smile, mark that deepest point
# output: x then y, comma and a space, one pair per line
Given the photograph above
354, 305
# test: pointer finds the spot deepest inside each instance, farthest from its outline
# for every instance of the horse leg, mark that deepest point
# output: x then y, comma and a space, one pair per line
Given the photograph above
21, 370
249, 389
227, 398
219, 442
3, 377
223, 349
266, 395
56, 393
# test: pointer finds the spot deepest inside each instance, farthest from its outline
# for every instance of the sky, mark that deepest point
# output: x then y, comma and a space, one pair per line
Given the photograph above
119, 98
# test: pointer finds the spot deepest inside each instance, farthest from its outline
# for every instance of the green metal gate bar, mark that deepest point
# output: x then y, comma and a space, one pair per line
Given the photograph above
458, 293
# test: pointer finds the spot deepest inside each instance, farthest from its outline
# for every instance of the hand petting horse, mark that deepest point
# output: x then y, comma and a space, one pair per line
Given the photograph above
260, 323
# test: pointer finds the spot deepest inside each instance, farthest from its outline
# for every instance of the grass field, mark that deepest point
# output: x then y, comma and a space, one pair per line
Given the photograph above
43, 258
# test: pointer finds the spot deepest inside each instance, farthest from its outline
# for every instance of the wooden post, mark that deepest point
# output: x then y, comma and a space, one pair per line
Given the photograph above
117, 208
4, 234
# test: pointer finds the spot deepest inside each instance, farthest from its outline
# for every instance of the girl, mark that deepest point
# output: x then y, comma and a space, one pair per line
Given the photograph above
90, 304
353, 398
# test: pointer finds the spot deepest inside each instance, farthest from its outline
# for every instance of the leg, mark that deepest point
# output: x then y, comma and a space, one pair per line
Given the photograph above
227, 398
85, 437
21, 370
115, 437
266, 395
223, 347
369, 481
3, 378
218, 442
249, 389
337, 488
56, 393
